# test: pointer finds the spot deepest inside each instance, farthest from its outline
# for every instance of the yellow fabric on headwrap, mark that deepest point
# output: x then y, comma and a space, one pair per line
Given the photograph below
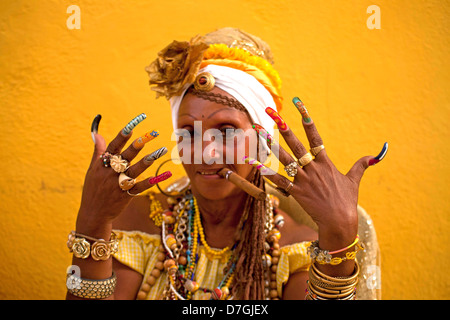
240, 59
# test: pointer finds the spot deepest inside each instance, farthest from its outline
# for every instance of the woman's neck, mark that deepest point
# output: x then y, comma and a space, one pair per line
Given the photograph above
221, 217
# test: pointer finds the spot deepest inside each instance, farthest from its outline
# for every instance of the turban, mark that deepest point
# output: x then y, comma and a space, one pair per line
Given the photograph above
241, 64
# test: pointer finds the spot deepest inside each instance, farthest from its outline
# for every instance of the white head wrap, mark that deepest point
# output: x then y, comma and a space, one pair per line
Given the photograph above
244, 88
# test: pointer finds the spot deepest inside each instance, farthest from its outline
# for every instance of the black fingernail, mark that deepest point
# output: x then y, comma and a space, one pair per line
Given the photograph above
94, 126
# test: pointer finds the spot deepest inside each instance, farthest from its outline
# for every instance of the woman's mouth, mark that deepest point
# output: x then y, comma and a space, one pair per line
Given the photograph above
209, 174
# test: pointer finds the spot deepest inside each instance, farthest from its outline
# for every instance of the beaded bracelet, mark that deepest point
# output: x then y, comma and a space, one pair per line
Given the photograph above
324, 256
99, 250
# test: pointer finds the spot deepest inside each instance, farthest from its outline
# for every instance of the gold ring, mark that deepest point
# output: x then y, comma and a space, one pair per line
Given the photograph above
316, 150
118, 164
291, 169
289, 187
307, 158
131, 194
125, 182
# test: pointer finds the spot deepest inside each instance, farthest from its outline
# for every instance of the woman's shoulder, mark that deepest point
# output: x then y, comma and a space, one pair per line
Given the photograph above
136, 216
293, 232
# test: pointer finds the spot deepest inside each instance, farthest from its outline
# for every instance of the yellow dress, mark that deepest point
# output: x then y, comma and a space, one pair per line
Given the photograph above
138, 250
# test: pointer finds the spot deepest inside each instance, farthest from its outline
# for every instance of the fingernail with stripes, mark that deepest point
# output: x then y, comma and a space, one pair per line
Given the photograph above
94, 126
258, 165
380, 156
133, 123
303, 111
156, 154
141, 141
278, 120
163, 176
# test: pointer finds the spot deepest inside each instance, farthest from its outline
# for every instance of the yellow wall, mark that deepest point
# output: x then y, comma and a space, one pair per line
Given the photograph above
362, 87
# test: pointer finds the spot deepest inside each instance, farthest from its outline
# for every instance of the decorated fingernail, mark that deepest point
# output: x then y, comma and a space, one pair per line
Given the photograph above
163, 176
133, 123
258, 165
141, 141
301, 107
278, 120
263, 133
380, 156
94, 126
156, 154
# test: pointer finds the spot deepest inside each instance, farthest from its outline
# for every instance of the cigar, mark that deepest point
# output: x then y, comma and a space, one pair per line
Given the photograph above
243, 184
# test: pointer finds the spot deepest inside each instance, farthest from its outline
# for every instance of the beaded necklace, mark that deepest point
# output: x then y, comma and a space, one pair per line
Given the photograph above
182, 235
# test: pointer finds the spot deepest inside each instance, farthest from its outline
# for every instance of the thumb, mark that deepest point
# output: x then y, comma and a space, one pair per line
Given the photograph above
358, 169
99, 141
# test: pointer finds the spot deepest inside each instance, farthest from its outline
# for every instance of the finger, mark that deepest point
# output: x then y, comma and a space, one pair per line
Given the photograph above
131, 152
279, 180
357, 171
297, 148
312, 134
136, 169
124, 135
141, 186
99, 142
281, 154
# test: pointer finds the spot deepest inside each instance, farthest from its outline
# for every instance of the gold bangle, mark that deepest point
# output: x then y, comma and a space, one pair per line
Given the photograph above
99, 250
339, 280
343, 295
91, 289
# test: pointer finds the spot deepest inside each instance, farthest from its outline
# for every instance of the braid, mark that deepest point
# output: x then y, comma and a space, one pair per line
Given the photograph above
249, 272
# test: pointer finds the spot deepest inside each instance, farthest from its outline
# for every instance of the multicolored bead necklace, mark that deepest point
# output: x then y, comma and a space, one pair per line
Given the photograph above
182, 235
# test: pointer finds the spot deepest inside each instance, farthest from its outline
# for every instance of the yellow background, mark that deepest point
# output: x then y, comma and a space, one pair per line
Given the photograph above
362, 87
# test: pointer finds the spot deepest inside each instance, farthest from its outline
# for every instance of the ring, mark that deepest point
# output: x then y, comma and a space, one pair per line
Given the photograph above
316, 150
291, 169
106, 157
125, 182
289, 187
131, 194
307, 158
118, 164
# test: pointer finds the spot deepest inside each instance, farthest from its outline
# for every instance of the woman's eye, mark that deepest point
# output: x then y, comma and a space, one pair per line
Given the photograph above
228, 133
185, 133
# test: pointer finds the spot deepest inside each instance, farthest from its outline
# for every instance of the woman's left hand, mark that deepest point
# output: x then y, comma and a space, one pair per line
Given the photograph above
327, 195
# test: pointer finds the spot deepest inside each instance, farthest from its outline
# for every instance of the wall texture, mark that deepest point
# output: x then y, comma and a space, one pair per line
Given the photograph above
362, 87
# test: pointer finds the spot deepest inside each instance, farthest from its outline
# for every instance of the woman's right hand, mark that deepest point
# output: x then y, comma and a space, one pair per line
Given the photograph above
102, 198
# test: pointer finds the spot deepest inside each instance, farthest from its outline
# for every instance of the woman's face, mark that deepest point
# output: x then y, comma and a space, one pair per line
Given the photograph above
212, 137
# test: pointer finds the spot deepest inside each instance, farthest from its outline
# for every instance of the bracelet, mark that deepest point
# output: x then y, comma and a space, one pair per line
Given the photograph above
323, 287
91, 289
324, 256
99, 250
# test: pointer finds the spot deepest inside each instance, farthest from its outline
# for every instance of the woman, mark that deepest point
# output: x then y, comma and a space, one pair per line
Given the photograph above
213, 240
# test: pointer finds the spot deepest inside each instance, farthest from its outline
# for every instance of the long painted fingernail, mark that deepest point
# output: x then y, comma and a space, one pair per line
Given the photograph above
163, 176
278, 120
141, 141
263, 133
94, 126
133, 123
156, 154
301, 107
258, 165
380, 156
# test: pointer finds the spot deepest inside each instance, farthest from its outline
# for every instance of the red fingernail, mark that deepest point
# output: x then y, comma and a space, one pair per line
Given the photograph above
163, 176
278, 120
